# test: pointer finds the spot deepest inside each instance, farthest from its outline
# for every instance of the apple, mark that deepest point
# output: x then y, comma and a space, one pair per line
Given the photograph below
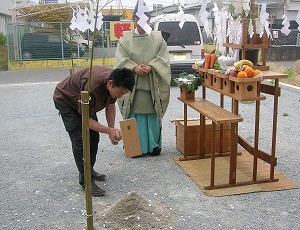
233, 73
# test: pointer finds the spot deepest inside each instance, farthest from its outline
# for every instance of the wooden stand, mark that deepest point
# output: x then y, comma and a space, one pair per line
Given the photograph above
252, 149
220, 116
251, 43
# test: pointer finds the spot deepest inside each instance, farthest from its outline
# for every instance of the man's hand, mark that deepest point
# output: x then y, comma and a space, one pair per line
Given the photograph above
115, 136
147, 68
142, 69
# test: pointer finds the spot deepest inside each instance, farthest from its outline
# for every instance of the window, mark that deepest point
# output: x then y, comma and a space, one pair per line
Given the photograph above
53, 38
188, 35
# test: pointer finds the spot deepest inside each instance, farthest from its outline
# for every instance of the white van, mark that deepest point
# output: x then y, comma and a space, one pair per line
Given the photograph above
184, 44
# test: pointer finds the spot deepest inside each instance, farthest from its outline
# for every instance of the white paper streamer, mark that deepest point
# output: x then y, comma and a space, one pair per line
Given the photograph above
219, 38
92, 20
74, 24
82, 17
99, 20
85, 19
182, 18
142, 22
234, 31
285, 29
264, 24
251, 29
238, 7
203, 17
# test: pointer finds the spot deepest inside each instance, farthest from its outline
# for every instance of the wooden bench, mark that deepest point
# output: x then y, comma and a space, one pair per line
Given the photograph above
217, 115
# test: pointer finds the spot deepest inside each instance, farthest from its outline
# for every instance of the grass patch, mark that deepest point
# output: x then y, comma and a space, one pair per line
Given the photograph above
3, 58
247, 102
293, 73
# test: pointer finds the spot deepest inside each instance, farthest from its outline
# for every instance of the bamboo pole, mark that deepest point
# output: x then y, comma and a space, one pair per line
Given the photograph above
86, 138
68, 31
87, 158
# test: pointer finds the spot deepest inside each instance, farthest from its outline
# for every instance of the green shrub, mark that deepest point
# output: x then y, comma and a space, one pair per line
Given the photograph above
3, 39
3, 58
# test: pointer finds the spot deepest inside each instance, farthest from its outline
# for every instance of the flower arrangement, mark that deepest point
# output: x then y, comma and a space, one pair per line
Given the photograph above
190, 81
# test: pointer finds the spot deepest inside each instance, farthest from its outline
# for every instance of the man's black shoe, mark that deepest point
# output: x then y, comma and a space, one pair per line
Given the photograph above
98, 176
96, 191
156, 151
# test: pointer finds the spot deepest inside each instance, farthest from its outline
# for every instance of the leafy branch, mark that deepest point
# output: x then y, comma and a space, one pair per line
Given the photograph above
190, 81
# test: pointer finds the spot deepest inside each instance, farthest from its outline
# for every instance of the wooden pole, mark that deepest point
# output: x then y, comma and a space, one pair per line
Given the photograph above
87, 158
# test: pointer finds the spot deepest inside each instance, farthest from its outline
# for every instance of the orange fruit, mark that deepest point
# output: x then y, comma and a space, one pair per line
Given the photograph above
256, 72
242, 74
249, 71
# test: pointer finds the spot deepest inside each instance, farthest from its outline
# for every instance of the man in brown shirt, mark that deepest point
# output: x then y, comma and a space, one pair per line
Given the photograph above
106, 86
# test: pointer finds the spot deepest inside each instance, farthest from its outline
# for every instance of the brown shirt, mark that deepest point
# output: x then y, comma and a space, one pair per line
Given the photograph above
67, 92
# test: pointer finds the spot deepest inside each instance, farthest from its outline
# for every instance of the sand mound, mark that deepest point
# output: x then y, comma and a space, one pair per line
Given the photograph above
135, 212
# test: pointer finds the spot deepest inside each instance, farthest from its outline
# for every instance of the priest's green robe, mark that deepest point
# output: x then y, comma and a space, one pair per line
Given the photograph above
151, 93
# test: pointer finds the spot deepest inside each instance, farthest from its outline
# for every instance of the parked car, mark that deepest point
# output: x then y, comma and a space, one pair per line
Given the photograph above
48, 46
79, 40
184, 44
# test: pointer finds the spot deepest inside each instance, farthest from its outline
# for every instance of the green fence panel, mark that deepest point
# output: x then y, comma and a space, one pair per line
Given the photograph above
56, 41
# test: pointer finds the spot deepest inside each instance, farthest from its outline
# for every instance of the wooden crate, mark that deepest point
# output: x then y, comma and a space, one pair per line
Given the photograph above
185, 95
193, 132
245, 88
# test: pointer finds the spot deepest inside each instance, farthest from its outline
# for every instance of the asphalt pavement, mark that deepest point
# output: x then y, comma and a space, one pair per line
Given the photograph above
39, 188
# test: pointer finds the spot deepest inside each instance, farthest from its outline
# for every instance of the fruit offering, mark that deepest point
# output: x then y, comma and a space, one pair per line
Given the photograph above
244, 69
239, 66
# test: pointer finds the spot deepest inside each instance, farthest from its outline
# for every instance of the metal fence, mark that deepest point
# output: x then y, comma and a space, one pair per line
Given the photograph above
56, 41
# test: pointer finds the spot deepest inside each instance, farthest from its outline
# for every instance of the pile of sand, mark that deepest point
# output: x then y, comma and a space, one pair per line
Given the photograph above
135, 212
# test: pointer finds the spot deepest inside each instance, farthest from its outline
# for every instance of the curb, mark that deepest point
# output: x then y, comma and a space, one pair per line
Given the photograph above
288, 87
291, 88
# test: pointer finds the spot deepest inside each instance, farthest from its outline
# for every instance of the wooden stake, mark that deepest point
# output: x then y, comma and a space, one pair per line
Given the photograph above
87, 158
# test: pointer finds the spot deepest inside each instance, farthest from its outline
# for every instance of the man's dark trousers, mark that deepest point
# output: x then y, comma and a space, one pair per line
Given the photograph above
73, 124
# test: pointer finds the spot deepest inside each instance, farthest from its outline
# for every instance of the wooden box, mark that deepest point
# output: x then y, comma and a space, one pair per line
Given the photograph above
185, 95
193, 132
245, 88
130, 135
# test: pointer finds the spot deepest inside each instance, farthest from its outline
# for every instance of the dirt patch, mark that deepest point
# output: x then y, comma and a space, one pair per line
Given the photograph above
133, 211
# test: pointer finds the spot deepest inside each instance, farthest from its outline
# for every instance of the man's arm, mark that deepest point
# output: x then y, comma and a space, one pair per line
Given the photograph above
110, 113
114, 134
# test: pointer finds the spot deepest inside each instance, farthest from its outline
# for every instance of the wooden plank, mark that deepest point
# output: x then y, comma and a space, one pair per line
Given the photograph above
130, 137
234, 96
231, 45
212, 111
260, 154
273, 75
243, 183
269, 89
